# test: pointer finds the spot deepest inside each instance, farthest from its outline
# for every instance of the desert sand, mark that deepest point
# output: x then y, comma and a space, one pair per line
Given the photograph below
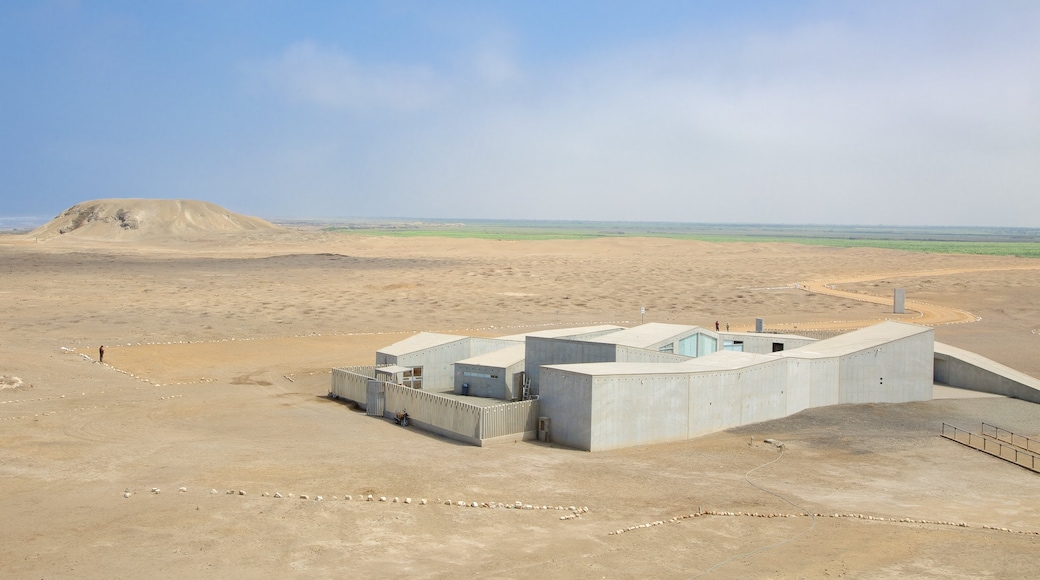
218, 350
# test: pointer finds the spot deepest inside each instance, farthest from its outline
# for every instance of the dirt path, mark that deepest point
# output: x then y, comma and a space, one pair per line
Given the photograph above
917, 311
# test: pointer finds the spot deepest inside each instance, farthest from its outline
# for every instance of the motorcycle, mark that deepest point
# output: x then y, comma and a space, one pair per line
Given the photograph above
401, 418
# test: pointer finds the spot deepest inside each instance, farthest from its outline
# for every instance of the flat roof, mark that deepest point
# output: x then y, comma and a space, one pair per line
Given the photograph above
718, 361
500, 358
418, 342
645, 335
857, 340
727, 360
563, 332
725, 334
623, 368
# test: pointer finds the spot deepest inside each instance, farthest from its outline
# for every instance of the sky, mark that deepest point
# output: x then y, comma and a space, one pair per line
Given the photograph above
796, 112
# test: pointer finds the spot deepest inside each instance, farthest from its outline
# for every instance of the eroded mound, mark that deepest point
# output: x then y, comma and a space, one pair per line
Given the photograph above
138, 218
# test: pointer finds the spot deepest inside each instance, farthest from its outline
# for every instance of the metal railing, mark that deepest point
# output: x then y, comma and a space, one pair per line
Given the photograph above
1014, 439
992, 446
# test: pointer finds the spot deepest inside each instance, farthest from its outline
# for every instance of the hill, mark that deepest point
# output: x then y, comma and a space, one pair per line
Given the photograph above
133, 218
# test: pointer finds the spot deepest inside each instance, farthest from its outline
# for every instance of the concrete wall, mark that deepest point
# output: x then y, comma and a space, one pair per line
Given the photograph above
639, 355
763, 343
498, 386
571, 403
598, 412
553, 351
895, 372
638, 409
438, 362
967, 370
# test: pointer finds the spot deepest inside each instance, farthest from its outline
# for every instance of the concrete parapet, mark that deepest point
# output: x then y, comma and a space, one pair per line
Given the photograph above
967, 370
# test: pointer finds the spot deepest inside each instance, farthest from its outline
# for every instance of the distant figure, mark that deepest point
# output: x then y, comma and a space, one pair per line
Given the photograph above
727, 327
101, 354
716, 326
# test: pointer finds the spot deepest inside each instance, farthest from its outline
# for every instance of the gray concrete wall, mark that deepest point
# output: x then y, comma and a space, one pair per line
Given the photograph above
498, 386
553, 351
895, 372
570, 404
763, 391
967, 370
438, 361
601, 412
763, 343
638, 409
479, 346
639, 355
714, 401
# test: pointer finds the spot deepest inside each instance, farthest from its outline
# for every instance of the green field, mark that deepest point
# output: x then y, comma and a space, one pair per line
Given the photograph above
1022, 242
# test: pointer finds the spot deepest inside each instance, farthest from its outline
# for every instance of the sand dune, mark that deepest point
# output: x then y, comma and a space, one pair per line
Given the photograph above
134, 218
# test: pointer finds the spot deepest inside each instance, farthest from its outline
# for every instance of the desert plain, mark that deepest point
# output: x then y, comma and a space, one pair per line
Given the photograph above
218, 351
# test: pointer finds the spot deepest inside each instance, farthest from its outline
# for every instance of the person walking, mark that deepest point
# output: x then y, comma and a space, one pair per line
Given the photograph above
716, 326
101, 354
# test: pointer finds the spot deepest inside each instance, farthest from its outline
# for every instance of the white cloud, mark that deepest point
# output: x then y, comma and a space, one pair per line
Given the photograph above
825, 122
308, 73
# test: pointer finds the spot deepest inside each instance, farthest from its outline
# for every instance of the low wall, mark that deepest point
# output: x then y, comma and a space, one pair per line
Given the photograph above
351, 383
462, 421
966, 370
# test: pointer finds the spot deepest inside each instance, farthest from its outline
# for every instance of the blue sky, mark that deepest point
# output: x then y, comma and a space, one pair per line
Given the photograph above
874, 112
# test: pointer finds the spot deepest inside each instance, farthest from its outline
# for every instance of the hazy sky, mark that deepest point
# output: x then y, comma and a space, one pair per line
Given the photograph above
837, 112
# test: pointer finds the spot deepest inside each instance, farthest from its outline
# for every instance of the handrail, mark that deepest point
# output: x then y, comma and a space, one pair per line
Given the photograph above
1022, 458
1027, 440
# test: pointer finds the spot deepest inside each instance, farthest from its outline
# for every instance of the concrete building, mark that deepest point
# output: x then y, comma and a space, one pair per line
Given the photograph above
497, 375
432, 356
606, 387
605, 405
653, 342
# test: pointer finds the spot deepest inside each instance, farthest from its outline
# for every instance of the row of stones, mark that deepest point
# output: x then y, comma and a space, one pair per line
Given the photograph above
677, 519
519, 505
79, 409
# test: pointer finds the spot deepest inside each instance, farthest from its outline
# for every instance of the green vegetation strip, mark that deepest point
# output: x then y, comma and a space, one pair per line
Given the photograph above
892, 239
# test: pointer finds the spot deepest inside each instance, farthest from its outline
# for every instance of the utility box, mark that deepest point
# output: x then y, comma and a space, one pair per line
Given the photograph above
760, 325
543, 428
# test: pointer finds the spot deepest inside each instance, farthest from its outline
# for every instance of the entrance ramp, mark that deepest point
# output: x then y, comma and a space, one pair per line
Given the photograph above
966, 370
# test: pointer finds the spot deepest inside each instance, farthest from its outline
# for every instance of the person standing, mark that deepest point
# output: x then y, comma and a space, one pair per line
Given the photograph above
101, 354
716, 326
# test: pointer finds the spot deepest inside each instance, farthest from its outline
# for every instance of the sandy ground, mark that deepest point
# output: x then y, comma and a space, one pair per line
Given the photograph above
217, 358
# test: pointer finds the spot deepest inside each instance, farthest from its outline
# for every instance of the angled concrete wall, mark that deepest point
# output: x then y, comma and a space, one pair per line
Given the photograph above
896, 372
553, 351
572, 403
964, 369
639, 355
610, 405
